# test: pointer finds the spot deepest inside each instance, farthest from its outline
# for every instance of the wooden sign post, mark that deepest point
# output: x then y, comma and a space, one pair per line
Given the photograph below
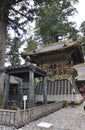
25, 99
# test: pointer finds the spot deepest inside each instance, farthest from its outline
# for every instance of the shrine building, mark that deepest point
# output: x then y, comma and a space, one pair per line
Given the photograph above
59, 59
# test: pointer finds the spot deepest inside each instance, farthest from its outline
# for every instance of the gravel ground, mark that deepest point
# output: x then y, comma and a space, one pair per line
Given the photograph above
69, 118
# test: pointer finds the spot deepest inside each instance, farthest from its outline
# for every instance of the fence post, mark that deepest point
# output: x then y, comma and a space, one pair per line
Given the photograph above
19, 117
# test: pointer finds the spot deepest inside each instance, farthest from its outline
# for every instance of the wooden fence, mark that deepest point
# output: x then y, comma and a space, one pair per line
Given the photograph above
19, 118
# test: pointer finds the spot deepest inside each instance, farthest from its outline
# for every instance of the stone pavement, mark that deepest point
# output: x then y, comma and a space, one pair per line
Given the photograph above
69, 118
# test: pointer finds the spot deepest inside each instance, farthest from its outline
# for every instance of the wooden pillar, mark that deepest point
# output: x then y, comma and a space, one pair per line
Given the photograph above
31, 88
6, 94
75, 86
44, 89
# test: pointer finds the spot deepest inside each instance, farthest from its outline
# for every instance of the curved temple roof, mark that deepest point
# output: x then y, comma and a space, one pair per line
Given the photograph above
55, 52
59, 46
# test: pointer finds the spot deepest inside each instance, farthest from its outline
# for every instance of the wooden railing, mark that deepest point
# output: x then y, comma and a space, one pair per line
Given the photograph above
8, 117
19, 118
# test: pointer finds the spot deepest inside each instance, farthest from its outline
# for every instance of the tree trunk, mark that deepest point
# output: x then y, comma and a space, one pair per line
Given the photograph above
2, 44
2, 59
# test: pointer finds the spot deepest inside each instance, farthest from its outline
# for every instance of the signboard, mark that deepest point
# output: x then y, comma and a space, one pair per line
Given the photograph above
44, 126
25, 97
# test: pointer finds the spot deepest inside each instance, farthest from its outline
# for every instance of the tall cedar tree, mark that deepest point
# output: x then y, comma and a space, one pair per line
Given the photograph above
13, 14
52, 21
12, 51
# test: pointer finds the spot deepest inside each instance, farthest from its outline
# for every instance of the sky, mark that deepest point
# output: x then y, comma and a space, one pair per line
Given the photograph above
80, 17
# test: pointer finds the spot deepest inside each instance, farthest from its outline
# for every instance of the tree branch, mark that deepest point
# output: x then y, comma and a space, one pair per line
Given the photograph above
14, 1
19, 13
16, 24
18, 1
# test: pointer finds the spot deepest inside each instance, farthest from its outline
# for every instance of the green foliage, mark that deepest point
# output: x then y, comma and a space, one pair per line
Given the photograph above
12, 51
52, 21
32, 45
16, 14
82, 28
